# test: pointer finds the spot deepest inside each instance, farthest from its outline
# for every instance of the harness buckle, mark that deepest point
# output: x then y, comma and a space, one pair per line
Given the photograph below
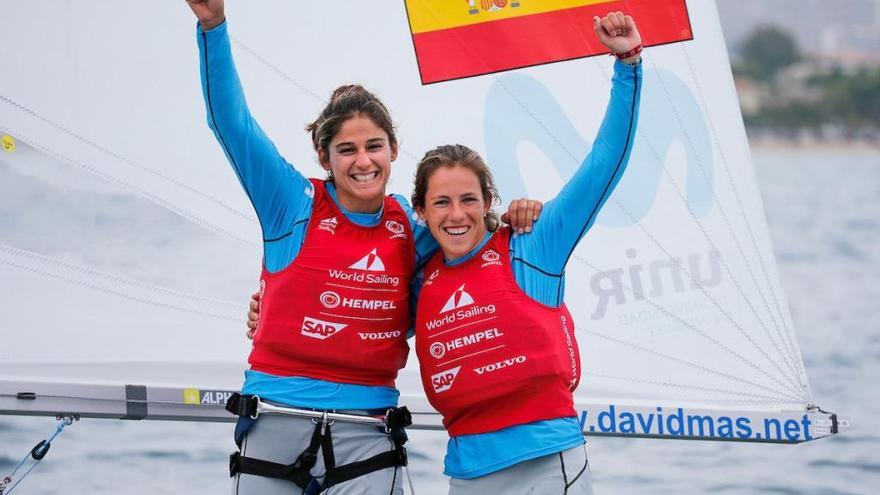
324, 424
244, 405
396, 418
325, 421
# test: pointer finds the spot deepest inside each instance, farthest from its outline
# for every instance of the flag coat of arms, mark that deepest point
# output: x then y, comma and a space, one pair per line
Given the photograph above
455, 39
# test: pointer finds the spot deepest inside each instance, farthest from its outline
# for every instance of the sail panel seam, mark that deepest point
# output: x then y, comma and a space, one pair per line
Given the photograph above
788, 361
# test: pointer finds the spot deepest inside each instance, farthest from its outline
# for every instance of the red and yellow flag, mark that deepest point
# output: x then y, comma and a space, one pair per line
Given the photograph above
462, 38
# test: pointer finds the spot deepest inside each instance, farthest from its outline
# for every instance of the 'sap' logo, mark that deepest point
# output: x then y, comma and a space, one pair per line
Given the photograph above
320, 329
443, 381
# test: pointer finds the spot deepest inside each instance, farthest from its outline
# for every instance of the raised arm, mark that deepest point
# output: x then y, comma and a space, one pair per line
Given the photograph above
277, 191
568, 216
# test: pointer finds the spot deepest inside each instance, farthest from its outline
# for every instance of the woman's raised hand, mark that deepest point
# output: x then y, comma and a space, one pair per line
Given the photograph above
209, 12
617, 32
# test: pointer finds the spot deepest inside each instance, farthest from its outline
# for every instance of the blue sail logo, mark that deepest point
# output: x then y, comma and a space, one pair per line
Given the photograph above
520, 109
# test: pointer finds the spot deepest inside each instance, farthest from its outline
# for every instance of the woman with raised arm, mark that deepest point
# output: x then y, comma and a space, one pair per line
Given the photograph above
339, 258
495, 342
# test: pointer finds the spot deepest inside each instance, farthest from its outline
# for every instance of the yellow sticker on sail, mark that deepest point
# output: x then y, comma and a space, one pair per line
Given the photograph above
8, 143
192, 396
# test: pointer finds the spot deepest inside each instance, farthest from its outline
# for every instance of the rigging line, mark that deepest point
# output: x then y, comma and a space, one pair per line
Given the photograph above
525, 108
781, 393
701, 333
114, 278
37, 453
129, 161
137, 189
290, 79
783, 352
120, 294
792, 380
780, 332
764, 399
724, 162
787, 335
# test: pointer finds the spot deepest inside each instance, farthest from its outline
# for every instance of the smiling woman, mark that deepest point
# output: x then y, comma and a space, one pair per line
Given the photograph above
338, 253
460, 203
495, 341
356, 143
320, 239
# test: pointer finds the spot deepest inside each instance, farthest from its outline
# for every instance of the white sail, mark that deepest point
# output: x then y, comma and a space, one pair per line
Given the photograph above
126, 296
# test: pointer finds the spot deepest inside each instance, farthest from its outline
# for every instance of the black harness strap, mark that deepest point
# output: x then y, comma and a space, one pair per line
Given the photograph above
350, 471
300, 471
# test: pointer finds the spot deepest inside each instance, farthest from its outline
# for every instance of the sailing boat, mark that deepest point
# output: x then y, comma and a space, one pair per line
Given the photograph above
130, 269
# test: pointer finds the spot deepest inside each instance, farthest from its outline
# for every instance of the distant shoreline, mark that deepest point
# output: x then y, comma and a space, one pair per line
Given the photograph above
771, 144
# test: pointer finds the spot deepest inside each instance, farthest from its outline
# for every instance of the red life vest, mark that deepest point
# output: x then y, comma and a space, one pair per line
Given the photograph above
340, 311
490, 356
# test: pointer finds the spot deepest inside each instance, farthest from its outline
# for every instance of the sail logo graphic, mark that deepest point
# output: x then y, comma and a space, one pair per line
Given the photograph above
371, 263
320, 329
396, 228
328, 224
443, 381
680, 155
491, 257
458, 299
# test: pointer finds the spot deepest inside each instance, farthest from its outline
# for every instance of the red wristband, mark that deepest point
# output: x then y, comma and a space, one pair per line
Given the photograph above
632, 53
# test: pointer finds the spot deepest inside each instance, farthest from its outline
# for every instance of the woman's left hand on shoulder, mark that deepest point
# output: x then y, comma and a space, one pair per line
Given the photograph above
522, 214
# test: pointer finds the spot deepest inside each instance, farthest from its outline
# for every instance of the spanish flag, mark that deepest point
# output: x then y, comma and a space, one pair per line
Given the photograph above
461, 38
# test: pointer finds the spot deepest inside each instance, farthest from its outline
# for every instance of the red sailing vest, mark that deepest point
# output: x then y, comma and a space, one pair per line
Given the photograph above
340, 311
490, 356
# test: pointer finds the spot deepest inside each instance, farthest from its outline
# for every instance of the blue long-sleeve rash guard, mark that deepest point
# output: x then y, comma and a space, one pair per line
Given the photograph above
281, 198
538, 261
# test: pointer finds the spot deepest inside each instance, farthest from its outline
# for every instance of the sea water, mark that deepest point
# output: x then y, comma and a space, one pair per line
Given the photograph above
823, 206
